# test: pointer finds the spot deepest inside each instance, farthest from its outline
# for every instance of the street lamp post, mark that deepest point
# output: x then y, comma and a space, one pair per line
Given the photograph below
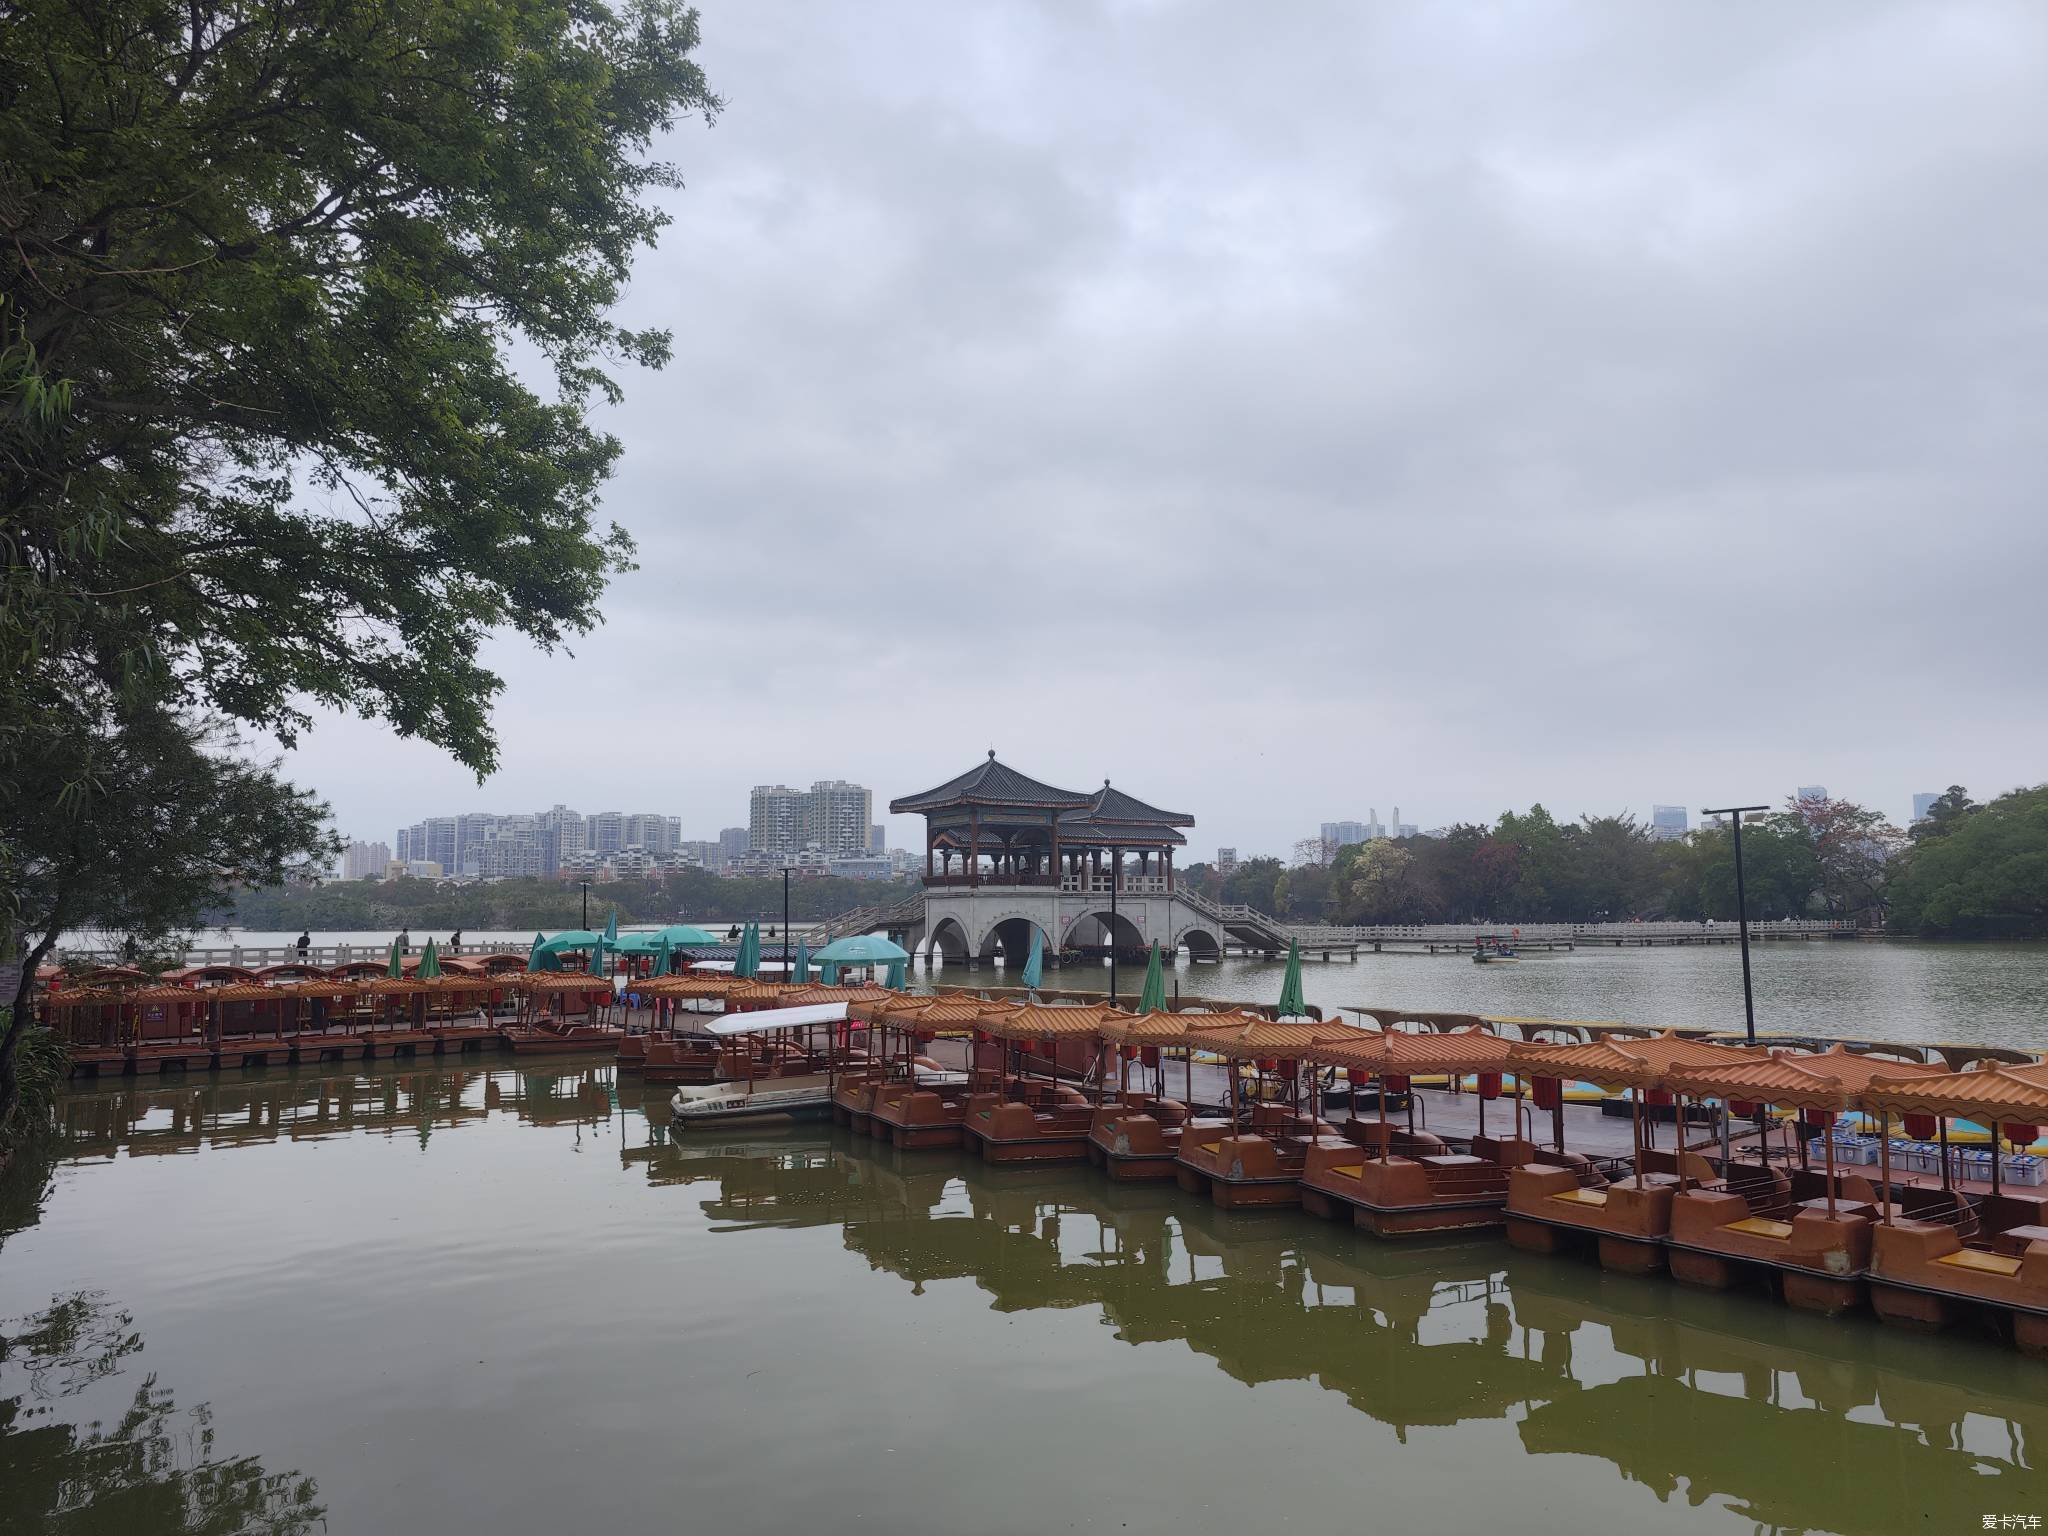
1735, 813
785, 922
585, 886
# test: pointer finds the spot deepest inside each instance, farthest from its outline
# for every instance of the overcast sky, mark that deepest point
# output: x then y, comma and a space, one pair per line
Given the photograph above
1286, 411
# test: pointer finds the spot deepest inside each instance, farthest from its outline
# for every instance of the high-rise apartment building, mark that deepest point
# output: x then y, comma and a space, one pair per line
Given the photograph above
1339, 834
733, 843
365, 861
1226, 861
1922, 804
440, 843
1668, 823
878, 840
774, 815
1812, 792
837, 817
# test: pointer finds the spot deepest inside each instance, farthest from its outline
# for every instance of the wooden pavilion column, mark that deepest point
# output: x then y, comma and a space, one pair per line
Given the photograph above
1168, 855
1052, 863
974, 846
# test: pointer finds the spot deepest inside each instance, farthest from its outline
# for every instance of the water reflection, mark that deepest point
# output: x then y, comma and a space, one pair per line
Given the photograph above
1785, 1421
1791, 1422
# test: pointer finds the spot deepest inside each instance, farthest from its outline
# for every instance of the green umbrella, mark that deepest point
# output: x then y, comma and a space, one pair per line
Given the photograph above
861, 949
1153, 998
684, 936
802, 963
430, 963
894, 979
661, 956
1291, 1005
397, 967
749, 959
1034, 967
537, 957
596, 963
611, 928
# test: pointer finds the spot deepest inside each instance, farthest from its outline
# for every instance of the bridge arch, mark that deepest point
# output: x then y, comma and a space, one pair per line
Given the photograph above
947, 941
1010, 936
1096, 928
1200, 942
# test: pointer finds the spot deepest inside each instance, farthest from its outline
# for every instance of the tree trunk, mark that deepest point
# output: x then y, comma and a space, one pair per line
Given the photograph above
18, 1021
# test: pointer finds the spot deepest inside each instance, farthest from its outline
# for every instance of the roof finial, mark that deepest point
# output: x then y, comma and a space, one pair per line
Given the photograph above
991, 754
1105, 781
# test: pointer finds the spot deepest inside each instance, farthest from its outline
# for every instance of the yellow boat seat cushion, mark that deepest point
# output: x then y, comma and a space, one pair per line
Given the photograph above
1760, 1226
1980, 1261
1582, 1196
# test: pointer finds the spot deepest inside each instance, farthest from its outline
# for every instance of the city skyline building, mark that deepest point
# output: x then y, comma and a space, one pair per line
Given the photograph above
1812, 792
1669, 823
1922, 804
365, 861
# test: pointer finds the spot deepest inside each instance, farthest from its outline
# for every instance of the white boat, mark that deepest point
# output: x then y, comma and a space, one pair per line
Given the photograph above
770, 1100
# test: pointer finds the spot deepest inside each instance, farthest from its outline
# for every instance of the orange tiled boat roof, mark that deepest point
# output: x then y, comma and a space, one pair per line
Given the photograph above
1403, 1053
920, 1012
1268, 1037
1162, 1028
688, 986
552, 981
805, 994
1830, 1079
1045, 1021
241, 992
753, 990
1626, 1063
319, 986
1986, 1093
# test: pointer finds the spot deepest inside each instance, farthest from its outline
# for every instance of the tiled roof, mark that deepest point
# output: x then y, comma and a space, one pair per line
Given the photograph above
1831, 1079
1110, 804
1168, 1028
1625, 1063
1988, 1093
1268, 1037
1078, 827
1044, 1021
989, 783
1404, 1054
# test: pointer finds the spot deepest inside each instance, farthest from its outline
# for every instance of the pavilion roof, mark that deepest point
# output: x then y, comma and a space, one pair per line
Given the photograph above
754, 990
689, 985
1984, 1094
1401, 1053
922, 1013
1044, 1021
1830, 1079
803, 995
242, 992
318, 986
1113, 805
551, 981
990, 783
1081, 828
1626, 1063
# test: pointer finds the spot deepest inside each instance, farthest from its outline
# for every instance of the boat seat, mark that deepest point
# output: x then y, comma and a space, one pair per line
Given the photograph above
1980, 1261
1582, 1196
1760, 1226
1348, 1171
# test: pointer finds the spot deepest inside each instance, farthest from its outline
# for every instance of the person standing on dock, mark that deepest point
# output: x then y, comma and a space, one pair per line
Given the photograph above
405, 941
305, 942
455, 942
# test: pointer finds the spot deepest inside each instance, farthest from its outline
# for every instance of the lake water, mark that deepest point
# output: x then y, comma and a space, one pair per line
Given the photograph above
496, 1300
1994, 994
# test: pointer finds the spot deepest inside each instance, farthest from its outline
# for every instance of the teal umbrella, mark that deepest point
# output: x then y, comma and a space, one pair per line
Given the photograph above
611, 927
537, 955
862, 949
430, 963
596, 965
567, 939
1153, 998
396, 968
828, 973
1034, 967
661, 956
1291, 1005
894, 979
802, 963
748, 959
684, 936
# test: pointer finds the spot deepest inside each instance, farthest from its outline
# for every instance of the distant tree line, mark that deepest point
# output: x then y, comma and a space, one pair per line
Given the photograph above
426, 905
1966, 871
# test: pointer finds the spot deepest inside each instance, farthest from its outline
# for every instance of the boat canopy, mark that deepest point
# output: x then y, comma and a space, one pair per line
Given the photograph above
777, 1018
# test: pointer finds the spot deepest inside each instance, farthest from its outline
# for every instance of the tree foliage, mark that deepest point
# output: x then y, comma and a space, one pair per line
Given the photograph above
264, 266
1984, 875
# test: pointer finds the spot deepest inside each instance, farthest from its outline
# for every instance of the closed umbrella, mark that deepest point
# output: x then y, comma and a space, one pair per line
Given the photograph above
661, 956
611, 927
748, 960
430, 963
536, 958
596, 965
396, 968
1153, 998
802, 963
894, 979
828, 973
1034, 965
1291, 1004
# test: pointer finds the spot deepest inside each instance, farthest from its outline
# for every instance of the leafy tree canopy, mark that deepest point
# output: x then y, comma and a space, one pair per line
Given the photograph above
1986, 877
